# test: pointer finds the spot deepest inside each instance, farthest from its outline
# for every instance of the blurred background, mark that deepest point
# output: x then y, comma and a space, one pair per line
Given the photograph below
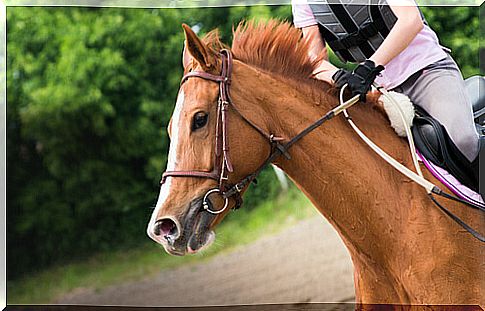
90, 92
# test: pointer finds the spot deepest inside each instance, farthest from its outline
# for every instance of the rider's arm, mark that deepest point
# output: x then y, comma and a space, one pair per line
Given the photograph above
408, 25
325, 69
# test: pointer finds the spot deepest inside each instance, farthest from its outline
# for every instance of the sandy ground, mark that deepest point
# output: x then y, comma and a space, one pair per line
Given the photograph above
303, 263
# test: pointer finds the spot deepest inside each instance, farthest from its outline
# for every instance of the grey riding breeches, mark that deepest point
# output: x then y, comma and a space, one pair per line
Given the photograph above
440, 90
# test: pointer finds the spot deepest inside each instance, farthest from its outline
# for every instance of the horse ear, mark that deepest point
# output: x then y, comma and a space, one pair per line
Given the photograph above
194, 48
186, 57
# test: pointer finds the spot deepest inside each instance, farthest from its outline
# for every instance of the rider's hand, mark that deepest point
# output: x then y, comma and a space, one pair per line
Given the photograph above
341, 77
360, 80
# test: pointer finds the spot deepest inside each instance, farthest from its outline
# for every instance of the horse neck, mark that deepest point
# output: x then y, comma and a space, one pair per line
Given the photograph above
377, 212
330, 165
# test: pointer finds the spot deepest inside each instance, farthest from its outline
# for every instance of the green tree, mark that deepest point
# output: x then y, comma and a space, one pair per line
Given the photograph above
90, 92
458, 28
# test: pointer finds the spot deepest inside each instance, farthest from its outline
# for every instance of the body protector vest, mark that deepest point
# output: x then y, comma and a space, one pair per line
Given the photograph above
353, 31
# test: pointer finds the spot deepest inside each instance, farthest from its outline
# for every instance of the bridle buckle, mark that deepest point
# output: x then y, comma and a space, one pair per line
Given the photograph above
238, 187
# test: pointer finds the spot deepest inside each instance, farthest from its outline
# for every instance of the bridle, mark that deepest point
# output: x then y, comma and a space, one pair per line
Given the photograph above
222, 161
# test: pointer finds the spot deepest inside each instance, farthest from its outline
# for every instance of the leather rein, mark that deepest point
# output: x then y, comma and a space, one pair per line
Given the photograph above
222, 161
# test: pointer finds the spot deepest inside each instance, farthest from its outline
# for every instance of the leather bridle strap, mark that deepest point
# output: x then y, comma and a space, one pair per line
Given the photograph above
211, 175
281, 149
222, 161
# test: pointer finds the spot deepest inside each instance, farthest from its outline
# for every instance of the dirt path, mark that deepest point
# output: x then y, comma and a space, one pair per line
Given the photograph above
304, 263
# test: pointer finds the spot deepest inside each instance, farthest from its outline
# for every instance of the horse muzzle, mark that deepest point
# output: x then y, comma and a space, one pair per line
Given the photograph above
188, 234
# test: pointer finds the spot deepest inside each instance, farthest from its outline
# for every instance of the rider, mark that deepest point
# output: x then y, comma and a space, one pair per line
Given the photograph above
395, 47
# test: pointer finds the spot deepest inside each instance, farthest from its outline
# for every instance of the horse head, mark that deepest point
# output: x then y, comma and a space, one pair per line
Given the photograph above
212, 148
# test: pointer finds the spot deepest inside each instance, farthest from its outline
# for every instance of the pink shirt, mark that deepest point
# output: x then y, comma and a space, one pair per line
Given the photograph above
421, 52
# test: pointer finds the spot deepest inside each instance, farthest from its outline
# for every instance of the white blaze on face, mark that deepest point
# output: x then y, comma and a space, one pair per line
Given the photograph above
171, 163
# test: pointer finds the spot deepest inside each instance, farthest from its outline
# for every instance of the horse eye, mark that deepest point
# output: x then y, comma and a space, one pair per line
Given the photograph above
200, 120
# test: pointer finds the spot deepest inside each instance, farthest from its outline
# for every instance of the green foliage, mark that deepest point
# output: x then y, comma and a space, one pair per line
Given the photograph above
458, 28
90, 92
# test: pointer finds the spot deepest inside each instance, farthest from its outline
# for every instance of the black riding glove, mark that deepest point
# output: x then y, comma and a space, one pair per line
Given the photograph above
360, 80
341, 77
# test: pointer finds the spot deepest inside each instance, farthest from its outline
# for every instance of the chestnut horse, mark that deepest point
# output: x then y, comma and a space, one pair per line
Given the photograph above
404, 249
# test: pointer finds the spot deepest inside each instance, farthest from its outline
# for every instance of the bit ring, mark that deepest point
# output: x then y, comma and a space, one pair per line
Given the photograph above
205, 203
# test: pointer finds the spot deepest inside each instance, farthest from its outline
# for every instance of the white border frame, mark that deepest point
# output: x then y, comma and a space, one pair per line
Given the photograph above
218, 3
123, 4
3, 154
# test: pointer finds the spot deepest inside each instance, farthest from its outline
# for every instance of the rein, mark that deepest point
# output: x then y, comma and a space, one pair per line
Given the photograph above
223, 165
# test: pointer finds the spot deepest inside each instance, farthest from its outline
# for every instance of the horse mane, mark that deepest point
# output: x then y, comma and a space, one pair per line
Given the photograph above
279, 48
273, 46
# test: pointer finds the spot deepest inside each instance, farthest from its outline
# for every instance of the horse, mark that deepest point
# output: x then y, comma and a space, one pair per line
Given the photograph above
404, 250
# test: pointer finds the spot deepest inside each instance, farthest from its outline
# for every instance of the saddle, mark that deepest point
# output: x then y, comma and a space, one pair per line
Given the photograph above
434, 143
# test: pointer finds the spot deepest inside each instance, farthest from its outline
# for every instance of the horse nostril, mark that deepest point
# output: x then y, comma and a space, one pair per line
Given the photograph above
166, 228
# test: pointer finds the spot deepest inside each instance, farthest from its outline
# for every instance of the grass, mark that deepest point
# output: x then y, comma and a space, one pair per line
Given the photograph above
239, 228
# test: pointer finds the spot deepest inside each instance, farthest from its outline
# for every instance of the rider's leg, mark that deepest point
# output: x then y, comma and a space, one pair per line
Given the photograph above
440, 90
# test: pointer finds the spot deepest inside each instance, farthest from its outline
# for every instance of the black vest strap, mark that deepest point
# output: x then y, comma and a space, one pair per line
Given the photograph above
378, 21
354, 32
353, 38
357, 38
